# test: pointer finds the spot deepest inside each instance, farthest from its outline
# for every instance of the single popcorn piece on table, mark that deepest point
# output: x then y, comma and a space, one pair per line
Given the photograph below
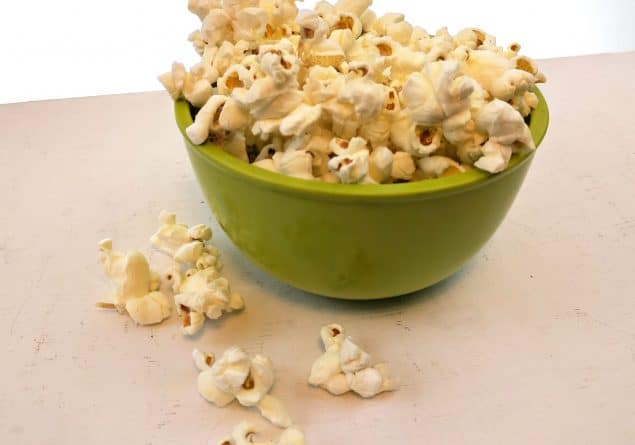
200, 294
271, 75
345, 367
136, 286
244, 434
236, 376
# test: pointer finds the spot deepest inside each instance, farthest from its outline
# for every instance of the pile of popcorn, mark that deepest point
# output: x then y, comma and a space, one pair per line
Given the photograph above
200, 291
341, 95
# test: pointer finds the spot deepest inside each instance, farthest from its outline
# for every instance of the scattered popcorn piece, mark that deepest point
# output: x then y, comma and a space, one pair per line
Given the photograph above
258, 382
366, 382
273, 75
174, 80
203, 360
352, 357
332, 334
203, 294
237, 376
495, 157
208, 389
185, 245
272, 409
232, 369
150, 309
291, 436
244, 434
136, 286
345, 367
380, 164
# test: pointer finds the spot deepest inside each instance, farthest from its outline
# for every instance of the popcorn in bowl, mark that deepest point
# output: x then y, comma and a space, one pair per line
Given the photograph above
340, 95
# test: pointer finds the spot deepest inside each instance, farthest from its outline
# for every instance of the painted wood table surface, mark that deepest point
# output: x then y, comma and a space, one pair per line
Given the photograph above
533, 342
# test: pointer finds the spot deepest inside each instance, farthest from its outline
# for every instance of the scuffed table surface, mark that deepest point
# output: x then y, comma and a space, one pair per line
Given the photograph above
533, 342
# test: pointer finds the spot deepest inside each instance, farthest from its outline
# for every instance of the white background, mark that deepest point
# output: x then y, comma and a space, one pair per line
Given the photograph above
70, 48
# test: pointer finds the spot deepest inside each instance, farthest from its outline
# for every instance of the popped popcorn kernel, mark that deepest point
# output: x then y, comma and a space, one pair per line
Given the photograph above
237, 376
135, 286
271, 72
344, 367
245, 433
200, 292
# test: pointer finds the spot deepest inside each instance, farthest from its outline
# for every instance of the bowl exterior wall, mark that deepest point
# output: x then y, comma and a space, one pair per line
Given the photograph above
352, 248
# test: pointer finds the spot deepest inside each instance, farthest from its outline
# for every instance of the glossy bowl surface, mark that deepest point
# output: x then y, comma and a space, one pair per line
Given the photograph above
356, 241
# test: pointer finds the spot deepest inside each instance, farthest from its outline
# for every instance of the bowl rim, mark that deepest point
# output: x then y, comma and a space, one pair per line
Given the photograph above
538, 125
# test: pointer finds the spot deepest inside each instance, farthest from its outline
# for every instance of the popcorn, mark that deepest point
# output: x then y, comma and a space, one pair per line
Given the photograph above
152, 308
236, 146
295, 163
366, 97
233, 7
250, 24
235, 76
403, 166
206, 121
380, 164
217, 24
300, 119
400, 32
273, 410
504, 125
202, 7
272, 74
136, 286
203, 360
243, 434
207, 388
420, 100
439, 166
281, 12
474, 38
237, 376
185, 245
350, 164
233, 117
352, 357
354, 7
345, 367
202, 294
525, 103
512, 83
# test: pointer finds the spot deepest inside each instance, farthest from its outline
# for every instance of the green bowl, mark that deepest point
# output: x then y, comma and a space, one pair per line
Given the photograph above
356, 242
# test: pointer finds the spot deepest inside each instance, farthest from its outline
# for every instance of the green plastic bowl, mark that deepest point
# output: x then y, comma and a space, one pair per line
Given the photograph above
356, 242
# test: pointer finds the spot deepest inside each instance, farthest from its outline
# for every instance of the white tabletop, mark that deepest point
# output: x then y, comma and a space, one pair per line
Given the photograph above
533, 342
